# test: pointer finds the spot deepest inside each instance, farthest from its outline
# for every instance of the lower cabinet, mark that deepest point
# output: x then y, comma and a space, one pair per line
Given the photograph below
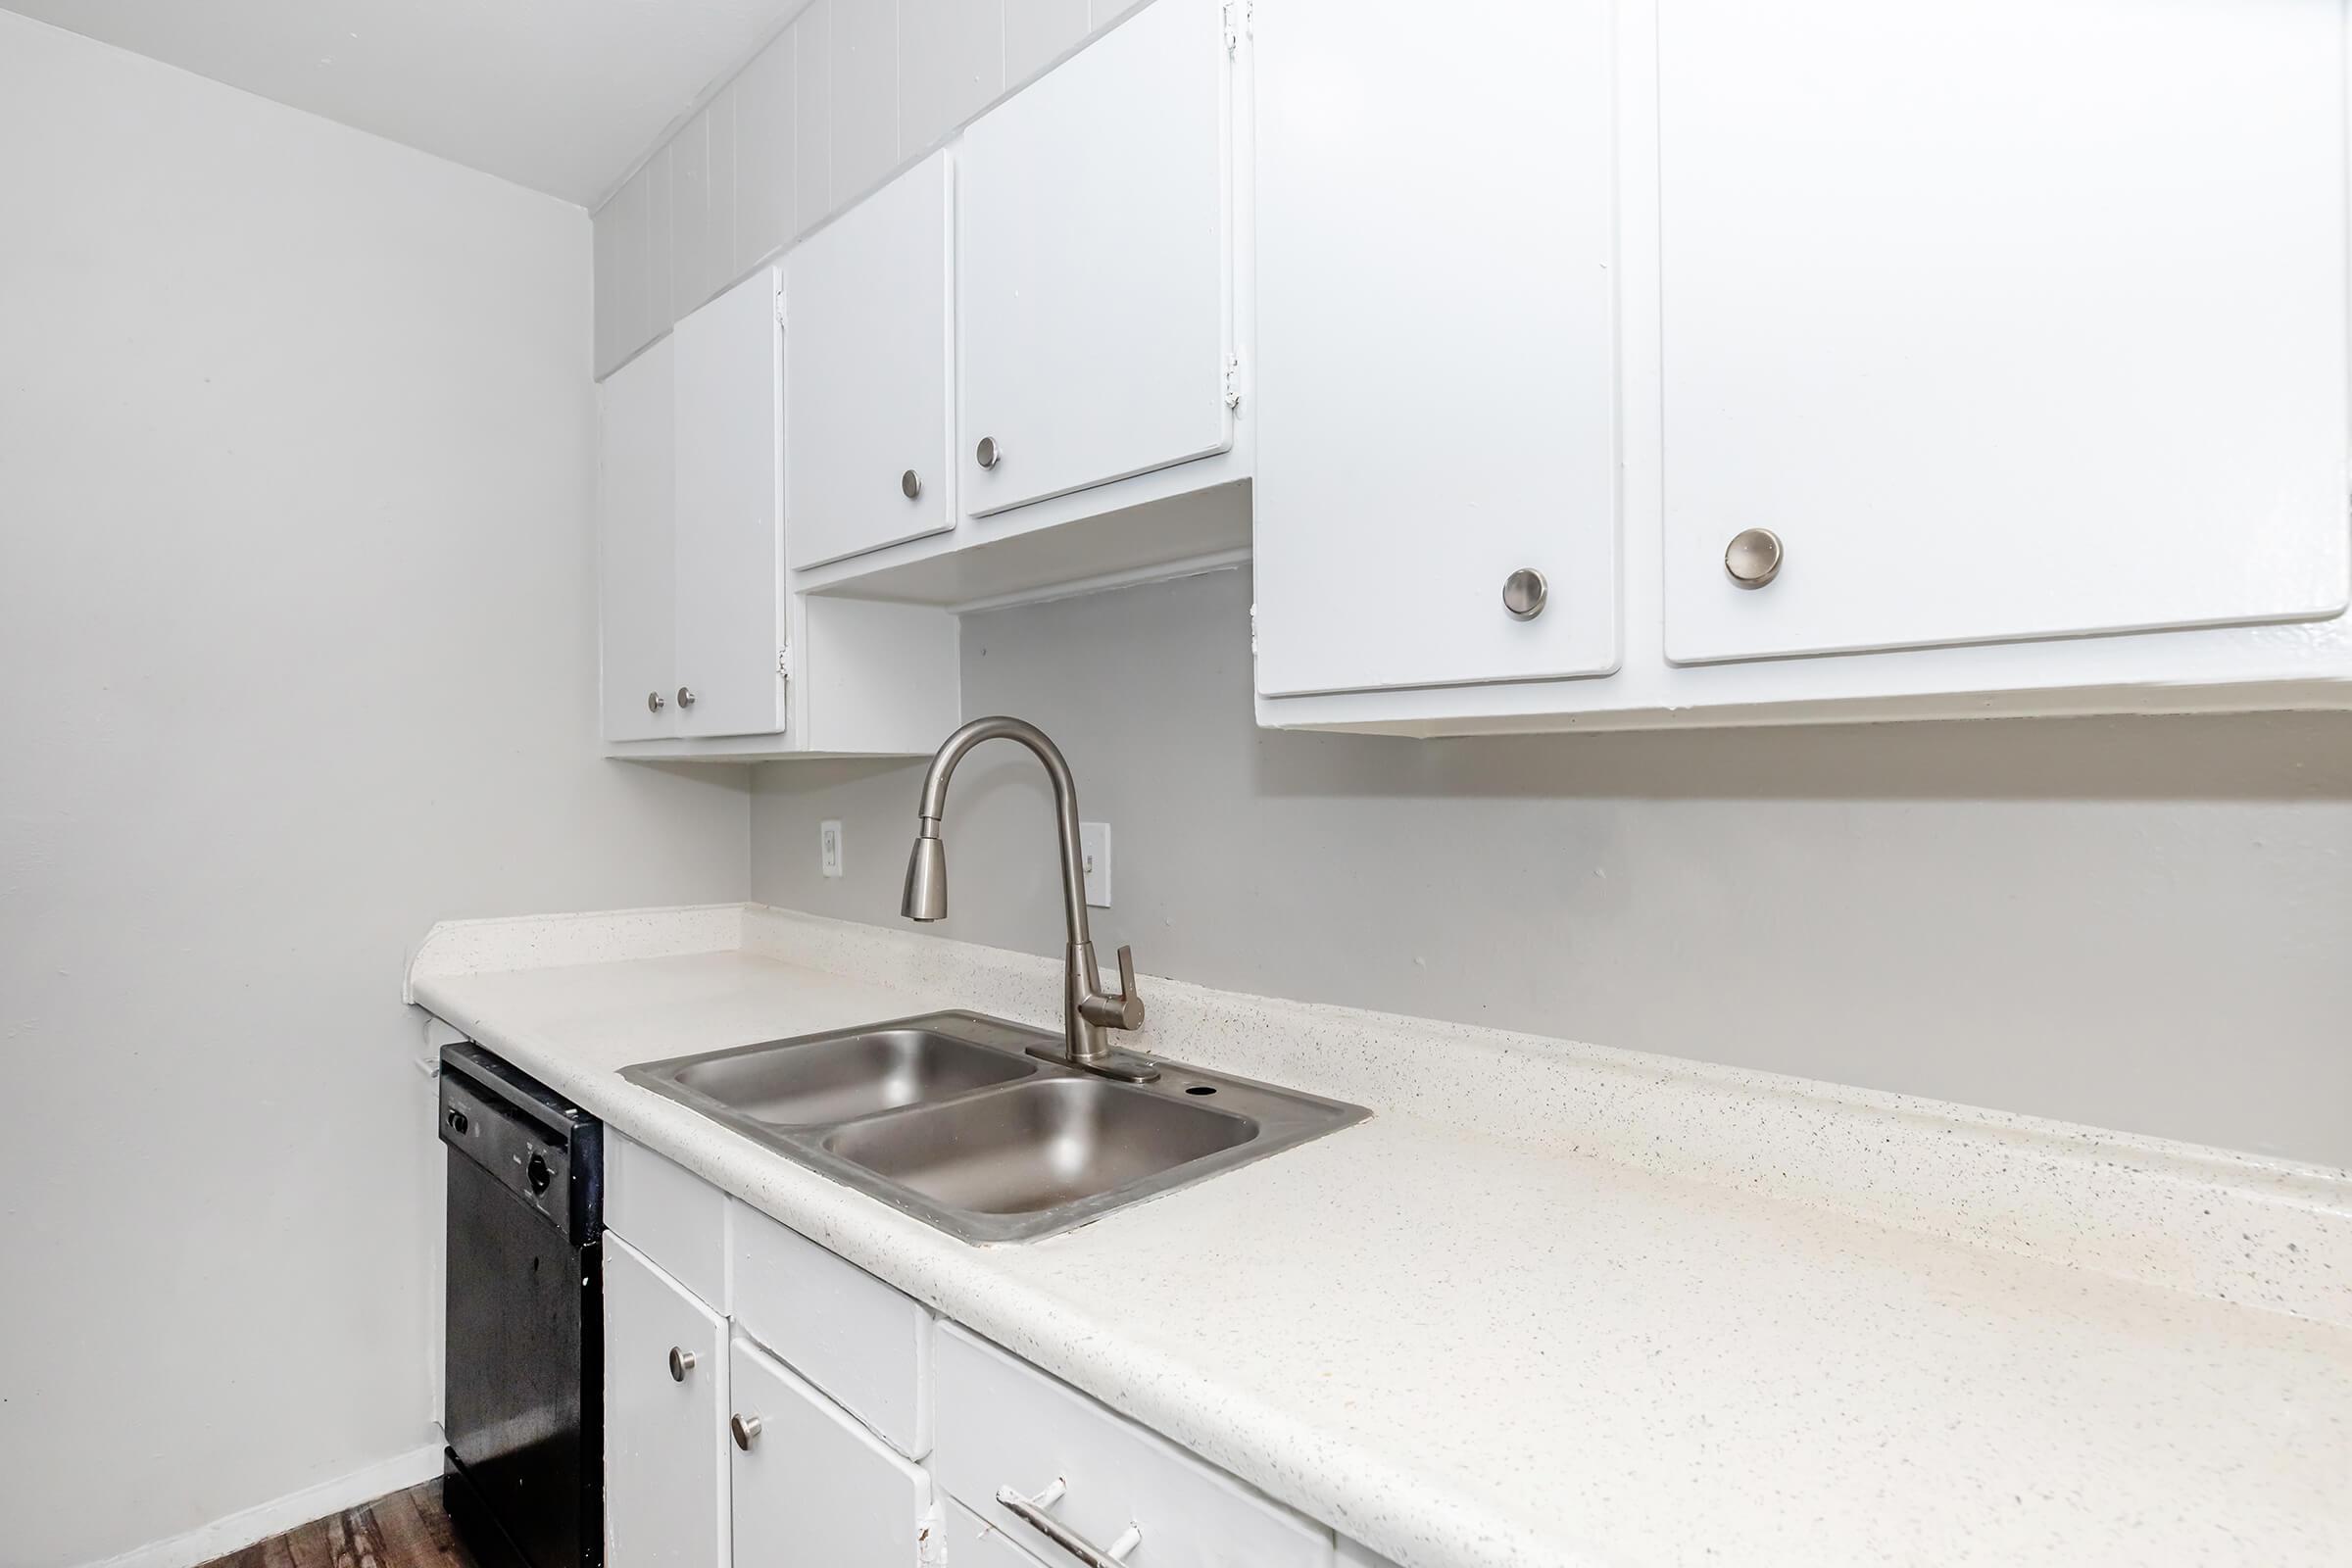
812, 1487
1062, 1474
666, 1415
787, 1426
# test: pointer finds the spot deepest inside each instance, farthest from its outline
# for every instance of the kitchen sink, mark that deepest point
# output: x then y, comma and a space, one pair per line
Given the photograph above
950, 1118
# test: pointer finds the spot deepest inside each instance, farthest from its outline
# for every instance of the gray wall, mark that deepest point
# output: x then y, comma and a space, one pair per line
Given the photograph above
2138, 923
297, 622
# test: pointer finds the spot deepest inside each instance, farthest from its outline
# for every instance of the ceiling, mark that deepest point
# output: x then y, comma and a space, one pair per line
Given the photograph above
563, 96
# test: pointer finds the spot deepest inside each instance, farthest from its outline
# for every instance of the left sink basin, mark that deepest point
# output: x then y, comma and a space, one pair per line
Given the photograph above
820, 1082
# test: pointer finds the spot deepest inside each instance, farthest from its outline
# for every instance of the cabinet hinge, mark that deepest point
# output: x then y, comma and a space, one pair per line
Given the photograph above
1232, 381
779, 307
1253, 631
783, 664
1236, 15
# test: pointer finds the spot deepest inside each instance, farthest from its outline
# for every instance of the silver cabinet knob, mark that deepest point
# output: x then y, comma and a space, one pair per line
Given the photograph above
655, 702
746, 1429
685, 697
1753, 556
910, 484
1524, 593
681, 1363
988, 452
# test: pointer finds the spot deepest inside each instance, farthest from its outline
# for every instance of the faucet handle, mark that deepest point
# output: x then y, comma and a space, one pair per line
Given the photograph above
1131, 1005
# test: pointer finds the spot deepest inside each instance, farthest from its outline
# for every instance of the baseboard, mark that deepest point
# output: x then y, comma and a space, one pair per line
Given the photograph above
247, 1526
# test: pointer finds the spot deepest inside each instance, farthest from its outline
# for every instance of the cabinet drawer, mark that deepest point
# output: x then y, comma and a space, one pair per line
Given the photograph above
1003, 1422
669, 1214
862, 1342
974, 1542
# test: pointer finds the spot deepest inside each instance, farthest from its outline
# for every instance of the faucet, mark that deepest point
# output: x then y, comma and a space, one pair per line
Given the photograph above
1088, 1012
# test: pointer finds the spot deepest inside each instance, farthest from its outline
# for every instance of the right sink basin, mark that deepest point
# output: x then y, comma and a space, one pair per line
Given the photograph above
950, 1118
1032, 1146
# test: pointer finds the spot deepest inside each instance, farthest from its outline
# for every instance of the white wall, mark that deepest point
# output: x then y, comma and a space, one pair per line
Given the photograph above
2138, 923
297, 656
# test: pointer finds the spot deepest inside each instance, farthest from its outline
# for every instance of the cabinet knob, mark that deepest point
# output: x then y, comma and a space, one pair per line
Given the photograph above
1524, 593
681, 1363
988, 452
746, 1429
1753, 556
655, 702
685, 697
910, 484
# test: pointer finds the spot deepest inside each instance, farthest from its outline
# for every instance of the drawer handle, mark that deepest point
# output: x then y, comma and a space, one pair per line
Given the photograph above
746, 1429
1031, 1511
681, 1363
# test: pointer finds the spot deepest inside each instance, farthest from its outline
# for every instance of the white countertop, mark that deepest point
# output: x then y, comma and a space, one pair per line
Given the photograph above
1575, 1338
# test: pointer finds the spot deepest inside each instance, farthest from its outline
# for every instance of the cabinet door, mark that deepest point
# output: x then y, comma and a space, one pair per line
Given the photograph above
2017, 318
866, 350
666, 1464
730, 562
814, 1488
636, 538
1436, 344
1095, 294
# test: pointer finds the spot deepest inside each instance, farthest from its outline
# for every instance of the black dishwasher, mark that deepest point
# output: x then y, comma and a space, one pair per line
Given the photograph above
522, 1398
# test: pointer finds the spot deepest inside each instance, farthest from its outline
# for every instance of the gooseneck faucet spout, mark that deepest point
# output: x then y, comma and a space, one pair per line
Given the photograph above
1089, 1012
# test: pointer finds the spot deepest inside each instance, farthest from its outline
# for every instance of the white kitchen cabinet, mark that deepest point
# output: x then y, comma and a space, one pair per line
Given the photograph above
1437, 345
812, 1488
868, 417
637, 544
1002, 1423
2014, 319
1095, 265
666, 1407
1355, 1555
2020, 328
731, 524
734, 664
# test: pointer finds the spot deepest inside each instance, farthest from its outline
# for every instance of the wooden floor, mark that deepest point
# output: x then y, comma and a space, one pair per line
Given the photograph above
406, 1530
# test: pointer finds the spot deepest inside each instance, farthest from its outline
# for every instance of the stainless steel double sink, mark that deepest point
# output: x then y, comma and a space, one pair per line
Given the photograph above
948, 1117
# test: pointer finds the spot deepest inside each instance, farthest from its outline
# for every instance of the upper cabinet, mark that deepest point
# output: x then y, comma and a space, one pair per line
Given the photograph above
637, 537
706, 650
868, 417
1094, 274
1437, 469
1829, 359
730, 565
2009, 319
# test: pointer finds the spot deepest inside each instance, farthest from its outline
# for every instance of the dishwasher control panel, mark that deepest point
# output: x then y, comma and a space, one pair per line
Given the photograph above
529, 1140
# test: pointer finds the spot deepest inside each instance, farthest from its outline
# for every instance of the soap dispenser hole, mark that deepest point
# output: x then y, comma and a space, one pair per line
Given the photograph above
1201, 1089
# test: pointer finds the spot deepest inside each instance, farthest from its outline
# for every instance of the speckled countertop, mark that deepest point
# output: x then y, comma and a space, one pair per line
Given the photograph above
1562, 1305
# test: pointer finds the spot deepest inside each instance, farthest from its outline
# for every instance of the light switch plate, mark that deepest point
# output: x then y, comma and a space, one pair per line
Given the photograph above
828, 847
1094, 852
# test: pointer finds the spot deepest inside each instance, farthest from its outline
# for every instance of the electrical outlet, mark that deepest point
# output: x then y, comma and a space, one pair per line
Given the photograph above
1094, 855
828, 847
